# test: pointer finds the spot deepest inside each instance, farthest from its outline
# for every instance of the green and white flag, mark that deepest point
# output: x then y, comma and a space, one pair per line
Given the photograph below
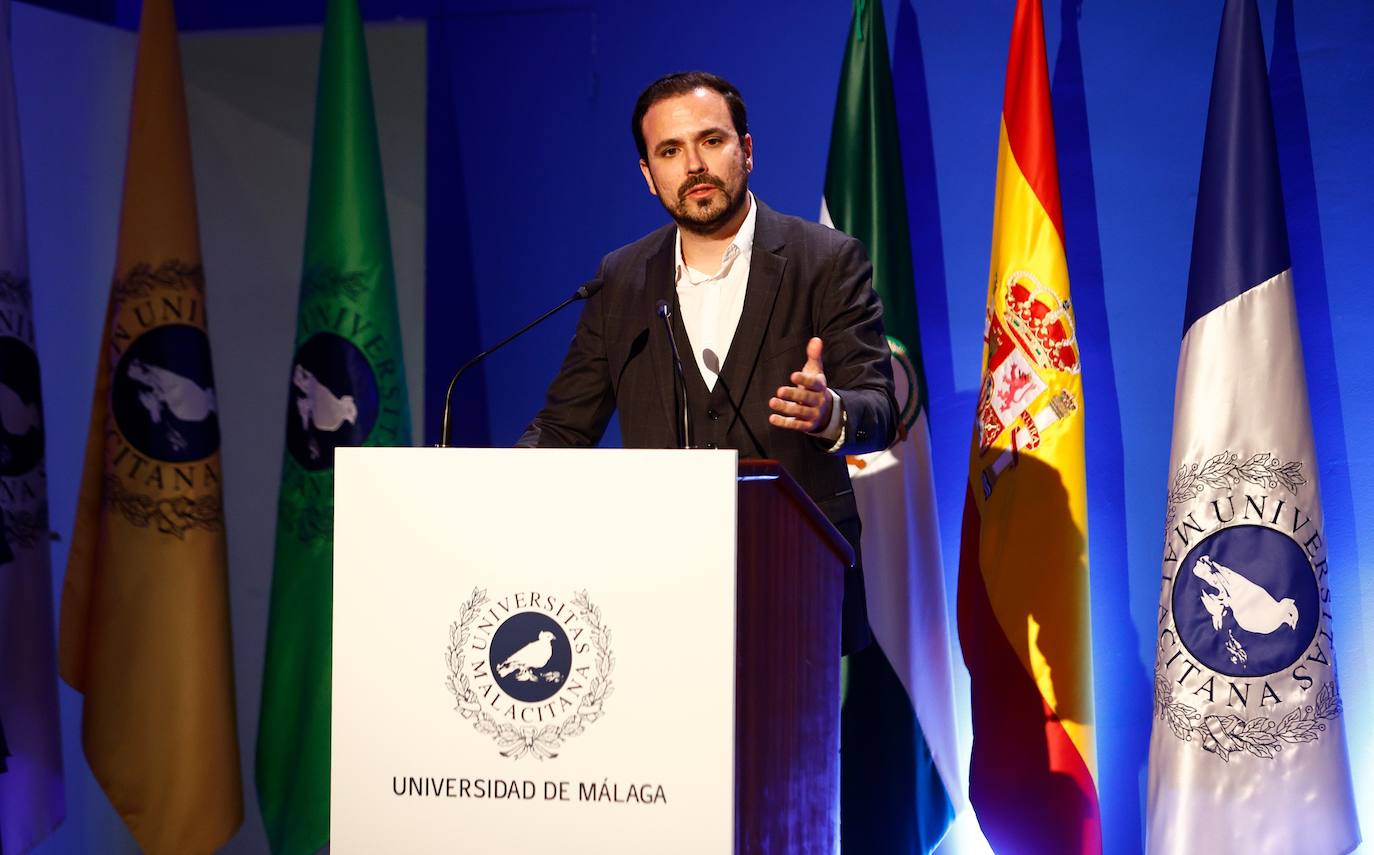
346, 388
899, 771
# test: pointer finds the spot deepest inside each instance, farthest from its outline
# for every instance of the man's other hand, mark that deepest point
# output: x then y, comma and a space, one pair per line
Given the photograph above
805, 405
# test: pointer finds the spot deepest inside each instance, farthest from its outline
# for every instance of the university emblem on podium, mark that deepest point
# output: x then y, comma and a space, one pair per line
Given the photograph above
530, 669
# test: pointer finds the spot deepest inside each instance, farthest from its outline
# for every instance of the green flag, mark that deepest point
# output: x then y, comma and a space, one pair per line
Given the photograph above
899, 771
864, 191
346, 388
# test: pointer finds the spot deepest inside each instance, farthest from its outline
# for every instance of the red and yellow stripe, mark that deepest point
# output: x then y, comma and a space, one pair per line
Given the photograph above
1023, 574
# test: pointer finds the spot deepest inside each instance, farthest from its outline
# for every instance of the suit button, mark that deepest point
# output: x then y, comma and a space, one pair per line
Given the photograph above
709, 445
712, 414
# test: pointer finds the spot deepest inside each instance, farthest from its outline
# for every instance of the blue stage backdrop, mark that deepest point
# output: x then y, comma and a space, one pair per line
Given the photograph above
532, 177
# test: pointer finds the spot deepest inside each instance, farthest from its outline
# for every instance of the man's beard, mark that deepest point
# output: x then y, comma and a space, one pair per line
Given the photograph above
705, 219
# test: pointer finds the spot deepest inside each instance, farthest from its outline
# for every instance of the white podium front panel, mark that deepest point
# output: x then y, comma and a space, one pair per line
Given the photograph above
533, 651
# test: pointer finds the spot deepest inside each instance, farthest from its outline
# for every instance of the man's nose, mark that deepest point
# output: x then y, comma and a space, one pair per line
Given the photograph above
695, 162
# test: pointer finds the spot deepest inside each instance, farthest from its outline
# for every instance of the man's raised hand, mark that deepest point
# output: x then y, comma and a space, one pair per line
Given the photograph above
805, 405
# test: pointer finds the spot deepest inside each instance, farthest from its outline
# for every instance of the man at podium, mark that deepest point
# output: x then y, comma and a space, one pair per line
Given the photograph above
733, 326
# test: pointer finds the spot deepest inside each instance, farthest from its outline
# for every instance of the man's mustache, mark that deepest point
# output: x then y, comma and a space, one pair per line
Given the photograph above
694, 182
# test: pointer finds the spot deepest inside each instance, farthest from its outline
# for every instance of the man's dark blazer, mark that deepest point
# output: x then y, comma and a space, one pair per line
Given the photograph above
804, 280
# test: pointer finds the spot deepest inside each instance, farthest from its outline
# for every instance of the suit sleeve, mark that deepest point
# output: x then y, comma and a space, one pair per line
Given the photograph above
858, 362
580, 400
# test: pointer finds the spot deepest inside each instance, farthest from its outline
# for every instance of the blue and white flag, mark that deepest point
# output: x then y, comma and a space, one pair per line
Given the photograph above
1248, 748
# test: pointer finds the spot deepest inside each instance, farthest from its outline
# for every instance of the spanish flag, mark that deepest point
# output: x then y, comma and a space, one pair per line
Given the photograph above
1023, 569
145, 610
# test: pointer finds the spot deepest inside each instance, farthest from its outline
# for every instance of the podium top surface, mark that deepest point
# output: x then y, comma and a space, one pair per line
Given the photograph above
754, 471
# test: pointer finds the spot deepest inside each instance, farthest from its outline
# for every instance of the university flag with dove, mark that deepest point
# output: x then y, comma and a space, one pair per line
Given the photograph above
32, 800
1023, 563
899, 768
1247, 752
145, 609
346, 387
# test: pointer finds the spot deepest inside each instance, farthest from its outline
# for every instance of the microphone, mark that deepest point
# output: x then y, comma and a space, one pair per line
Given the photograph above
713, 365
585, 291
684, 430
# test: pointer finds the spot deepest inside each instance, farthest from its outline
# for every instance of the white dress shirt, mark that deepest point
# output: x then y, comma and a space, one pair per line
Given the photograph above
711, 305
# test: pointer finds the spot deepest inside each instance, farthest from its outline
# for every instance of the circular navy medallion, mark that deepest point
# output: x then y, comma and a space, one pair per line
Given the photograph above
333, 400
163, 395
530, 657
21, 408
1245, 601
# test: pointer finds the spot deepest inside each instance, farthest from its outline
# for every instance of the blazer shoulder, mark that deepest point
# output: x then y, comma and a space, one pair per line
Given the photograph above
629, 260
807, 235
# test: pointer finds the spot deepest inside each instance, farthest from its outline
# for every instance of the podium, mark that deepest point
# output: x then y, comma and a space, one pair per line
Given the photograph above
609, 651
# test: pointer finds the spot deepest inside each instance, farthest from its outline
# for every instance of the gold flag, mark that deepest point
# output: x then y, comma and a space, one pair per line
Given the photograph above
145, 612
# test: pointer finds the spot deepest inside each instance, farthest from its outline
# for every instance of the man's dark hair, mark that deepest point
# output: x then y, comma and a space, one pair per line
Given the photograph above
681, 83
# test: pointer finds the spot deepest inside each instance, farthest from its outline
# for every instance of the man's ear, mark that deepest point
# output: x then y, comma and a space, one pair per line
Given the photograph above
648, 177
747, 146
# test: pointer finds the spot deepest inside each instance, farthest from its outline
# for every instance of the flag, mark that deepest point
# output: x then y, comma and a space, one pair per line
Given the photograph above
32, 801
144, 632
899, 770
1023, 566
346, 387
1248, 747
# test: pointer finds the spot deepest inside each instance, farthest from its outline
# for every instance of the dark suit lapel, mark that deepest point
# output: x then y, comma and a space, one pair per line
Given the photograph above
766, 267
659, 284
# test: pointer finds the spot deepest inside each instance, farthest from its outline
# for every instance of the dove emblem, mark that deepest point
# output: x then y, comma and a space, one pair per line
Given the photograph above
21, 413
525, 661
163, 391
163, 395
333, 397
320, 408
20, 430
1246, 601
1253, 608
530, 657
16, 417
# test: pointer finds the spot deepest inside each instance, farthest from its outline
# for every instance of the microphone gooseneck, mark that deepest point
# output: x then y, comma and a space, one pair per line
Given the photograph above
684, 429
585, 291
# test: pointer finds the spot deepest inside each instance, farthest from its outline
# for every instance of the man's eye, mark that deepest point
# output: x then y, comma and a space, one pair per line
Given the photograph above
668, 152
714, 141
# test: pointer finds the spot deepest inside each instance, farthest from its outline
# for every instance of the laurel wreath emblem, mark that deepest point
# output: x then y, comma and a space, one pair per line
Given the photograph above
1261, 736
334, 285
1226, 470
169, 515
27, 529
543, 742
143, 279
309, 522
